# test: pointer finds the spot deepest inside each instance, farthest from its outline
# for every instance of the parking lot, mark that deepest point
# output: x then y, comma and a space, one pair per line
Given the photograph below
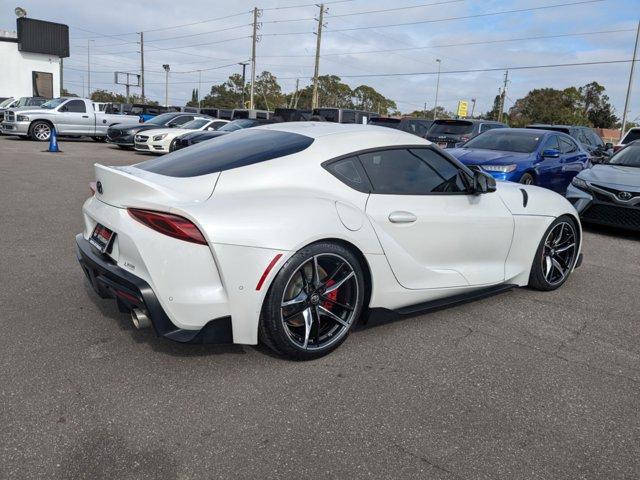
521, 385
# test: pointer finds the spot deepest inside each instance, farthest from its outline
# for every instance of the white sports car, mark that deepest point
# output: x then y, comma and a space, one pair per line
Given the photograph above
159, 140
288, 233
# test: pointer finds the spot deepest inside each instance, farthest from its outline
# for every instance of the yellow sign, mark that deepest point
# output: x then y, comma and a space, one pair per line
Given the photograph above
463, 108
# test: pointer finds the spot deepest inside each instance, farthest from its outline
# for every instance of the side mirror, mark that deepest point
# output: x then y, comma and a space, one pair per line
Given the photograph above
172, 125
551, 153
63, 108
608, 145
483, 183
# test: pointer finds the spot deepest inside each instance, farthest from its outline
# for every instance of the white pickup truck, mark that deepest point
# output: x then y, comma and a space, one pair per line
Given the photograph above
70, 116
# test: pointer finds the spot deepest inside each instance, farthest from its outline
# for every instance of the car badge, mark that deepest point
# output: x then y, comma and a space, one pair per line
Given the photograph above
625, 196
99, 187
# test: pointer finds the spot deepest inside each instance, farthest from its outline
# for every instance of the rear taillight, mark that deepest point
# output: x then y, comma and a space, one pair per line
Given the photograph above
168, 224
92, 186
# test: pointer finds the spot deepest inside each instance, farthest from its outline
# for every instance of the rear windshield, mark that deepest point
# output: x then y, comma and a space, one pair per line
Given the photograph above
553, 129
633, 134
506, 141
385, 122
628, 156
238, 149
451, 127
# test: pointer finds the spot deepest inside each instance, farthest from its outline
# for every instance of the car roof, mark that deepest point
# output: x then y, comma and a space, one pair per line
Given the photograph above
470, 120
548, 125
323, 129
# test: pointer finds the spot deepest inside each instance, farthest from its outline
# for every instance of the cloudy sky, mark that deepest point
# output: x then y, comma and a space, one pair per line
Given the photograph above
362, 40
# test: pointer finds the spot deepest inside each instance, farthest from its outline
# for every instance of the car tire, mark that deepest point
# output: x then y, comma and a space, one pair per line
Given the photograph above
527, 179
306, 314
40, 131
556, 255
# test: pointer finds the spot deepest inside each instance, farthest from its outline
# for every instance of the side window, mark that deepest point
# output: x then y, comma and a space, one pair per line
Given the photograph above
567, 146
596, 140
584, 138
76, 106
404, 172
349, 171
551, 143
485, 126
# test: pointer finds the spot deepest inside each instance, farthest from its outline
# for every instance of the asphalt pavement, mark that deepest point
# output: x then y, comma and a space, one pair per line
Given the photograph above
522, 385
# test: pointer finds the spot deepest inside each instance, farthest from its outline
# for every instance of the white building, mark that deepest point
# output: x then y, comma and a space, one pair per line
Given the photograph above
30, 58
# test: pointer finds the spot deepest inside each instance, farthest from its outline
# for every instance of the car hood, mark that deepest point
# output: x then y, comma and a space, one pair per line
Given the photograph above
29, 110
612, 175
472, 156
171, 131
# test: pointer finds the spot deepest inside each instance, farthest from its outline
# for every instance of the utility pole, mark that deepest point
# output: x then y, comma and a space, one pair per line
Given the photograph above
199, 87
61, 75
503, 94
473, 106
88, 69
256, 26
142, 63
628, 97
244, 69
424, 112
166, 84
435, 108
294, 100
314, 98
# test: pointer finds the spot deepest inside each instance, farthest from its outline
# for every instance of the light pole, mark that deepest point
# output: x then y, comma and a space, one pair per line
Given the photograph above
244, 68
435, 108
89, 68
166, 84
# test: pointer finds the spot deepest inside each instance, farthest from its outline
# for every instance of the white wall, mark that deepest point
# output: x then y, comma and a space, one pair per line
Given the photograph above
16, 70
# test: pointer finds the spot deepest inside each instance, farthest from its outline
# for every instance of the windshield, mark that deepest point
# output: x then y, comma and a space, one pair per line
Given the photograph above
451, 127
195, 124
51, 104
506, 141
23, 102
628, 157
633, 134
237, 125
6, 102
161, 119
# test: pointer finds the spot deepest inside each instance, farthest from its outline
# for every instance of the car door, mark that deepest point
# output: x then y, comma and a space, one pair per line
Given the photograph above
549, 168
573, 160
435, 233
73, 118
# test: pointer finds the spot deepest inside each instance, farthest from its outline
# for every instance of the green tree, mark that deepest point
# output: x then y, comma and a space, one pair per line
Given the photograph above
548, 105
225, 95
596, 106
268, 93
194, 98
367, 98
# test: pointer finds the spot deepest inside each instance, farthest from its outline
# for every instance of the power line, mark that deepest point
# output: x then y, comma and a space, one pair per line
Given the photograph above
308, 5
477, 15
461, 44
477, 70
395, 9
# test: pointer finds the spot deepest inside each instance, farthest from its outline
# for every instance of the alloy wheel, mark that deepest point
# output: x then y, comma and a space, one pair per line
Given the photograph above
559, 253
319, 302
42, 131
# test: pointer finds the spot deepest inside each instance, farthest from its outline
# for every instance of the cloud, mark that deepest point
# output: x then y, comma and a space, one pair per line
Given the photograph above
223, 43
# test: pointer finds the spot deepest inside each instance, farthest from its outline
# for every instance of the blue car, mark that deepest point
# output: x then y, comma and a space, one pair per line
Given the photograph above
533, 157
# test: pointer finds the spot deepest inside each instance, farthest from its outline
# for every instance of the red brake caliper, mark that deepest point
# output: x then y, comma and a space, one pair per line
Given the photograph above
331, 295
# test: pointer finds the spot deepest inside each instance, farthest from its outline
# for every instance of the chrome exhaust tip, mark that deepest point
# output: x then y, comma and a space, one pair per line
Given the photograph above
140, 319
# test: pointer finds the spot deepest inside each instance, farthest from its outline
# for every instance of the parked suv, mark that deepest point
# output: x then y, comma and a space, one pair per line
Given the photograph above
632, 135
20, 103
446, 133
590, 140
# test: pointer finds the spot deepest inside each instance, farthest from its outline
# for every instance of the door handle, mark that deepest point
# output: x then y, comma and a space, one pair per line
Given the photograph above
402, 217
85, 116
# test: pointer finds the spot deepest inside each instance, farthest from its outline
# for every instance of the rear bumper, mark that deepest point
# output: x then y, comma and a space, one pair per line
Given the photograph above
111, 281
